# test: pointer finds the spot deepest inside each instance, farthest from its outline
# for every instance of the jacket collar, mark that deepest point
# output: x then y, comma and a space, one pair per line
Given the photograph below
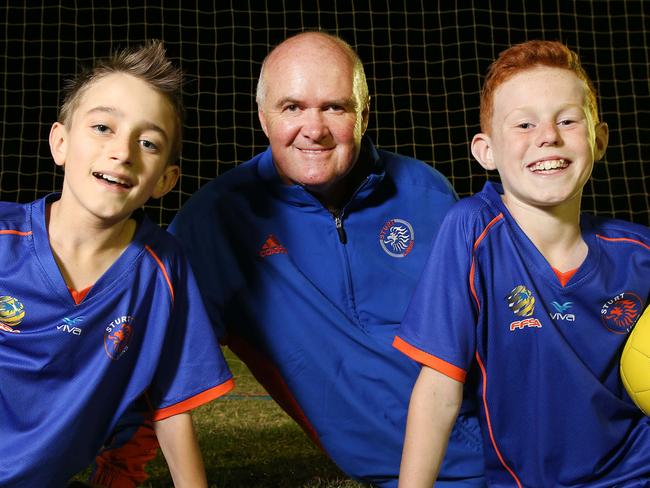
298, 196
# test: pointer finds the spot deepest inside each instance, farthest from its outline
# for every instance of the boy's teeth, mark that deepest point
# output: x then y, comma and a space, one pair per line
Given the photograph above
550, 164
111, 179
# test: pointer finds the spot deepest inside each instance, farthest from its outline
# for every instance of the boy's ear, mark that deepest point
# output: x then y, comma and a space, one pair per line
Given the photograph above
167, 181
482, 150
602, 139
58, 143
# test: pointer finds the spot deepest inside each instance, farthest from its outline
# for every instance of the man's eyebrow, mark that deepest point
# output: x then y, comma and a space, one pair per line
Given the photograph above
343, 102
118, 113
287, 100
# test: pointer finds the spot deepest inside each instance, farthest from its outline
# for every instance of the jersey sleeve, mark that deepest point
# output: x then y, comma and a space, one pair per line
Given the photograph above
438, 329
192, 370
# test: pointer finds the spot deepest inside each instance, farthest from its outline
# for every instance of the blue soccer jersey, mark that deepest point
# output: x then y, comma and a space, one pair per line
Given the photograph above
543, 358
68, 371
311, 301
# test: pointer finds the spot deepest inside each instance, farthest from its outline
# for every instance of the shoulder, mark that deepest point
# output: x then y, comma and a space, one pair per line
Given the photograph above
474, 210
408, 170
471, 220
160, 244
618, 231
15, 216
240, 182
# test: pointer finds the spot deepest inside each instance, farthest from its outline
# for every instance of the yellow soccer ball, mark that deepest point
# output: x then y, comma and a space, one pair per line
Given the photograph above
635, 363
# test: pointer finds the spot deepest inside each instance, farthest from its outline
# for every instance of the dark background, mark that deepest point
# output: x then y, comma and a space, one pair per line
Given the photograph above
424, 62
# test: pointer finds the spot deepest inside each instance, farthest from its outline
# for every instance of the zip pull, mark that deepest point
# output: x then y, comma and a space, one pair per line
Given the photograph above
340, 230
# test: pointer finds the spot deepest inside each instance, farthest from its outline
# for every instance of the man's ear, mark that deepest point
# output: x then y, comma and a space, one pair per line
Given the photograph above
167, 181
602, 139
58, 143
262, 117
365, 117
482, 151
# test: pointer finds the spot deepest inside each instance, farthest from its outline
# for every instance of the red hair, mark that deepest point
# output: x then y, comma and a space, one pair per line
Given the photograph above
527, 55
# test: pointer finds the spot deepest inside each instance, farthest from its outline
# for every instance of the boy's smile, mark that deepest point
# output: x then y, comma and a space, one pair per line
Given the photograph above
116, 148
113, 180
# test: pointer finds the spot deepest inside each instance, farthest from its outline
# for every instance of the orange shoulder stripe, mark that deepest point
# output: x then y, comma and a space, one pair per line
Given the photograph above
162, 268
195, 401
472, 268
623, 239
16, 232
448, 369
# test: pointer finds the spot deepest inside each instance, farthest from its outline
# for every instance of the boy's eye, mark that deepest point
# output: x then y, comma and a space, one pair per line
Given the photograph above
148, 145
101, 128
566, 122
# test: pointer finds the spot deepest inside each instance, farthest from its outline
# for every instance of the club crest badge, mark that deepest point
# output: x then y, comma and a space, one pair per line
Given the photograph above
397, 238
117, 336
620, 313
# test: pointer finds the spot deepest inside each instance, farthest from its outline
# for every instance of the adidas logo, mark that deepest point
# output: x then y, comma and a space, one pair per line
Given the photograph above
272, 246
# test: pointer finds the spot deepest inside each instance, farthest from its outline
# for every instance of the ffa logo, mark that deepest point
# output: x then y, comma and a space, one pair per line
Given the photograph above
521, 301
397, 237
621, 312
12, 313
117, 336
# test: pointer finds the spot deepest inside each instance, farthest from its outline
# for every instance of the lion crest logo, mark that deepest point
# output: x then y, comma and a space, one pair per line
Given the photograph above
397, 238
620, 313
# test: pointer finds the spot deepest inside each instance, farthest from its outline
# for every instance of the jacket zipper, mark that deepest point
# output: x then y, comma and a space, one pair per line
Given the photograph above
338, 221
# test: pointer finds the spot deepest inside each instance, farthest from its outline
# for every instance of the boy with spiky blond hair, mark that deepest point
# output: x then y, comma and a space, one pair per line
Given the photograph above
99, 307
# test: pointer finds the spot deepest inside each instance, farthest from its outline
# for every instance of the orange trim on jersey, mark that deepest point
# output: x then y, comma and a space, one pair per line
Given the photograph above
623, 239
78, 296
489, 423
162, 267
472, 268
565, 276
195, 401
448, 369
16, 232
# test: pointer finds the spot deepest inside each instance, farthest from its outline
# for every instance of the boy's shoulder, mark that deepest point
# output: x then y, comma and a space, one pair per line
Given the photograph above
156, 238
15, 216
483, 206
610, 228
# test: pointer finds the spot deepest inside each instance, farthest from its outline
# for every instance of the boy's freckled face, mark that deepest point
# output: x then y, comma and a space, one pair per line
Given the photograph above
116, 147
543, 139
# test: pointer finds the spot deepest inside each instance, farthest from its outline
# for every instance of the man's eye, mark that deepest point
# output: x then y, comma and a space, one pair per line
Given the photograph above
525, 125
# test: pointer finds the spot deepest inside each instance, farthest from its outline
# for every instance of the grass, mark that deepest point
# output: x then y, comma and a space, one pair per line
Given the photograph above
247, 441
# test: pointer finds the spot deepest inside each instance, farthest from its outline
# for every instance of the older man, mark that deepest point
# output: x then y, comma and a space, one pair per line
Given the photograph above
306, 257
